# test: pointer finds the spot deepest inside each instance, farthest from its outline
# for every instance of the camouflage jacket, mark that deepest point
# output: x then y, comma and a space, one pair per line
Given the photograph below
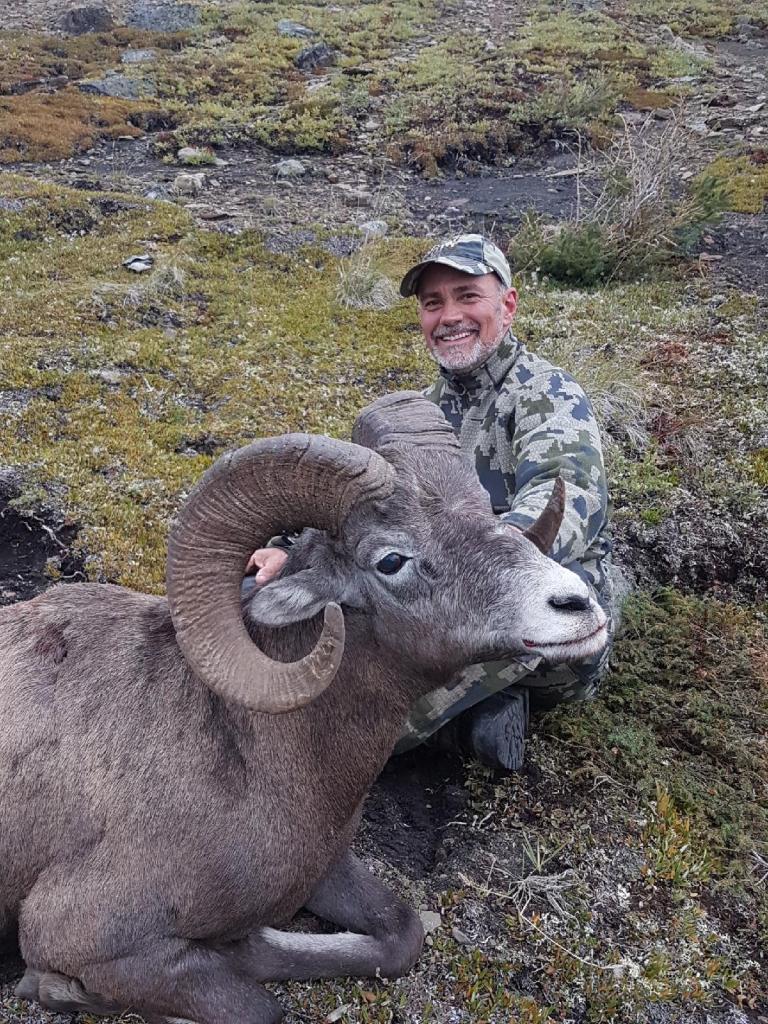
524, 421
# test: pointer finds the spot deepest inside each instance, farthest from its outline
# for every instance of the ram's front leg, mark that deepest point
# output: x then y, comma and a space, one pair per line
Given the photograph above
384, 934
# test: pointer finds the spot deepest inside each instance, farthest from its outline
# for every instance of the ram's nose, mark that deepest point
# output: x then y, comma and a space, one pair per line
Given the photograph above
570, 602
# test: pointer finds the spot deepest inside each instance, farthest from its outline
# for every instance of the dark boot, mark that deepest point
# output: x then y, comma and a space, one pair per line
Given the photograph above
493, 731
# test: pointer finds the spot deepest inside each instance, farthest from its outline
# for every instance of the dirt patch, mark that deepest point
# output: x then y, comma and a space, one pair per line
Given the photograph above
409, 809
30, 546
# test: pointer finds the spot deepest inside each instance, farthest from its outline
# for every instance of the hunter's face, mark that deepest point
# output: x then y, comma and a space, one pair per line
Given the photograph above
463, 316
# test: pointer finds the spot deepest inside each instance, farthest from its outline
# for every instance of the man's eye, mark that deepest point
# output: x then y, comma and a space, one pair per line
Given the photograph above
391, 563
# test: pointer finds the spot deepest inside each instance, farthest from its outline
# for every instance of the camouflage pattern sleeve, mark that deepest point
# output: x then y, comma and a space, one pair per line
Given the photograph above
555, 433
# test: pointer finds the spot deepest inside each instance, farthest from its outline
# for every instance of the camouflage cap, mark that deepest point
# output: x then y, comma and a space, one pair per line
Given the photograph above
473, 254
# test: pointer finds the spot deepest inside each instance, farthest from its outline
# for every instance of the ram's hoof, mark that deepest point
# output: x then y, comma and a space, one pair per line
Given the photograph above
29, 986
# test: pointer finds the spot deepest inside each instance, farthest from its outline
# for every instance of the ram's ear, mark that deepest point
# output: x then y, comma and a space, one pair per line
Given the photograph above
292, 598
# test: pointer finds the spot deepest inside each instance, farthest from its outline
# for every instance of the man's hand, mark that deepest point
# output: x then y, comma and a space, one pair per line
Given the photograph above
266, 563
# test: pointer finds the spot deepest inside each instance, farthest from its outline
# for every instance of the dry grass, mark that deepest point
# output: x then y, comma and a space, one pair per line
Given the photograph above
362, 285
51, 126
632, 210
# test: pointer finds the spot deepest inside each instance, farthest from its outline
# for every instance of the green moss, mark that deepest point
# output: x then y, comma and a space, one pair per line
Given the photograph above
262, 346
710, 18
683, 708
759, 461
743, 179
738, 304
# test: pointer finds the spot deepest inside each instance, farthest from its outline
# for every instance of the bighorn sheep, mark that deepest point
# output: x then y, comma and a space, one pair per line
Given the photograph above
174, 787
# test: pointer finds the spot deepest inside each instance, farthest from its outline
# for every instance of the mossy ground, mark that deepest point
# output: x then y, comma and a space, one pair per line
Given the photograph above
622, 876
647, 808
744, 180
233, 79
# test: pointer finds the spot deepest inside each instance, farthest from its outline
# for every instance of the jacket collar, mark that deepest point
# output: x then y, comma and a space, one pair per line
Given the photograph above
489, 374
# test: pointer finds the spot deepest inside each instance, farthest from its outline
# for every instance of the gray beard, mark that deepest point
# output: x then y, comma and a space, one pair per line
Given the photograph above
468, 359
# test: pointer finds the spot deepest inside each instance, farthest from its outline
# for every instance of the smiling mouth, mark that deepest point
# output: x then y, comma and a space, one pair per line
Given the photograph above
454, 339
567, 643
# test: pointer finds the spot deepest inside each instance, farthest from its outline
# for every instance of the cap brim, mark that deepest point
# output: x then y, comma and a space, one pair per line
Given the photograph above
410, 283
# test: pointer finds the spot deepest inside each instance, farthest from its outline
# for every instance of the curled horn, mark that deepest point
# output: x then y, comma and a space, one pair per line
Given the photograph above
275, 484
546, 527
405, 417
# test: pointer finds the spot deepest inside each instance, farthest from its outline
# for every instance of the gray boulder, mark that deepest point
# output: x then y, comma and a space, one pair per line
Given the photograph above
286, 27
138, 56
163, 16
320, 55
118, 86
81, 20
289, 169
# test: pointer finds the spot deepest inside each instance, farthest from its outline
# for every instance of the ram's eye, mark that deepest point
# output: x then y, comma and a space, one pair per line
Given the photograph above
391, 563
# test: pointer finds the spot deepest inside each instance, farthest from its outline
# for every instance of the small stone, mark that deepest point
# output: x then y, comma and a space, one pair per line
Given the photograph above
138, 56
139, 264
461, 937
81, 20
289, 169
186, 184
430, 920
374, 228
357, 197
663, 114
318, 56
194, 155
286, 27
109, 376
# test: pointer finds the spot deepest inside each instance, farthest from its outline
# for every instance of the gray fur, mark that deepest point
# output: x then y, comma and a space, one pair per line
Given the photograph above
153, 836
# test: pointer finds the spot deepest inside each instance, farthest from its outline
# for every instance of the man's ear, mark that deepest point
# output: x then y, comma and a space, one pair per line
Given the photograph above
293, 598
509, 303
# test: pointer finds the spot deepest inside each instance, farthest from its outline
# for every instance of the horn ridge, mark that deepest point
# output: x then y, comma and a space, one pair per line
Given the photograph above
247, 496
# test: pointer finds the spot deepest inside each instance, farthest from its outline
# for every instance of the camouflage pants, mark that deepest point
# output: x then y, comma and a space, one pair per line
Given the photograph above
547, 686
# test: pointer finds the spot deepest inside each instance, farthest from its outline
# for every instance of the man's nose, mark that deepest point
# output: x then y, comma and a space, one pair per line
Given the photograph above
451, 313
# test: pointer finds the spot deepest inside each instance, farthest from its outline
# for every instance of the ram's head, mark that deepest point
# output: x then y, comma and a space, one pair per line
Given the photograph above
397, 531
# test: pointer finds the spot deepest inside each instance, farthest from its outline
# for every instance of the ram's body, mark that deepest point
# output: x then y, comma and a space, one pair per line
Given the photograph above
155, 825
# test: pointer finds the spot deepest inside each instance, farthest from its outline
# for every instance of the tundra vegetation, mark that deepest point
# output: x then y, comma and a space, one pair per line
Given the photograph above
623, 876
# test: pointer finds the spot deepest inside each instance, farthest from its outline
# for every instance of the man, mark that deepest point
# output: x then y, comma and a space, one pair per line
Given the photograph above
523, 422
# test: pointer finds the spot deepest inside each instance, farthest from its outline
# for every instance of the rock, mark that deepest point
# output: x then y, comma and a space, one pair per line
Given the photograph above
11, 205
289, 169
194, 155
138, 56
81, 20
318, 56
374, 228
139, 264
663, 114
746, 27
430, 920
118, 86
461, 937
186, 184
163, 16
358, 197
109, 376
286, 27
